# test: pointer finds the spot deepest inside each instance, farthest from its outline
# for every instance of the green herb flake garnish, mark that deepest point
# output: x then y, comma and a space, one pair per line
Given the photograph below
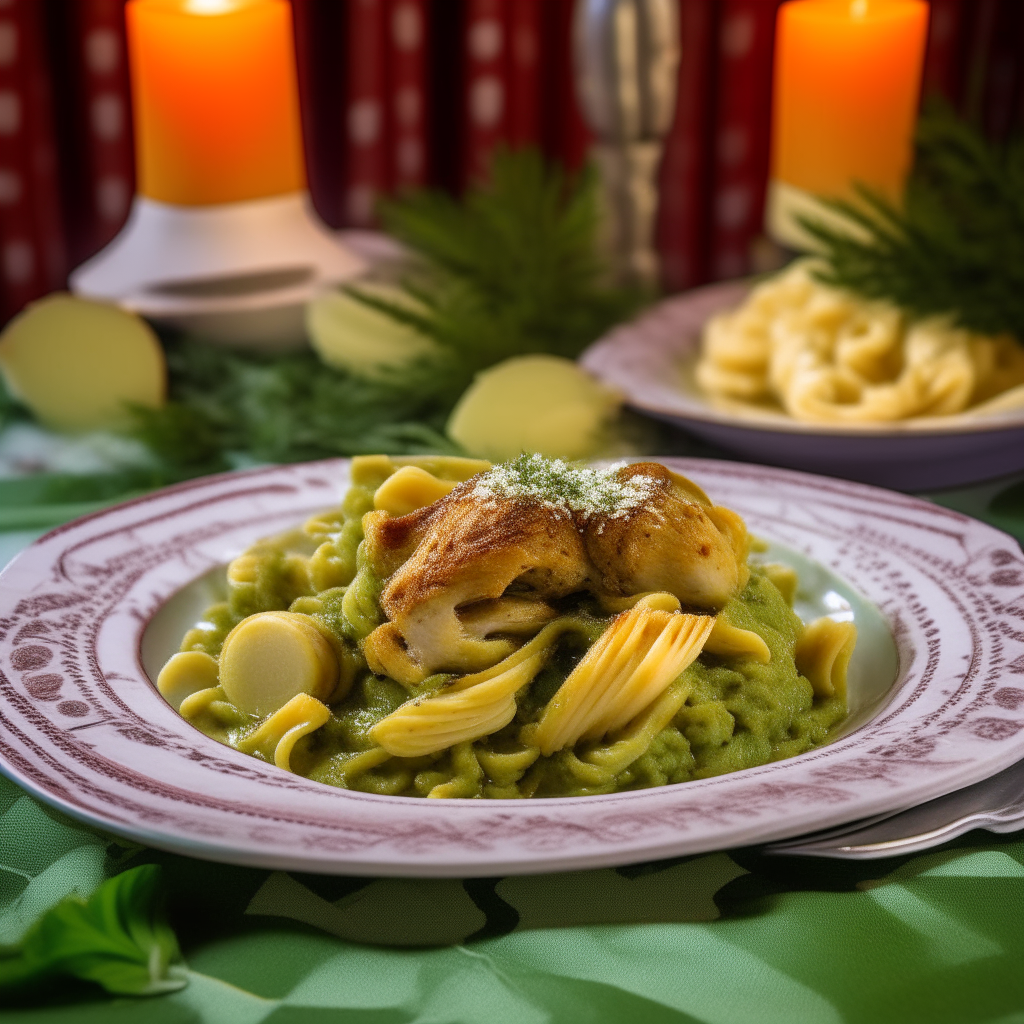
575, 490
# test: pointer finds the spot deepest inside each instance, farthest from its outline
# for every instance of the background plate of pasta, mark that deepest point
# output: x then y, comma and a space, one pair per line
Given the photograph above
795, 373
437, 667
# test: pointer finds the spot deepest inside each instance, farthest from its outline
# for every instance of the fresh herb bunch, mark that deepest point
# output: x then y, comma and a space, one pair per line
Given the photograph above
956, 246
514, 268
510, 269
282, 408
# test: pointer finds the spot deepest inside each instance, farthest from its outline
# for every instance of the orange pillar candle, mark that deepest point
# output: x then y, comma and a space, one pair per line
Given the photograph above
847, 81
215, 100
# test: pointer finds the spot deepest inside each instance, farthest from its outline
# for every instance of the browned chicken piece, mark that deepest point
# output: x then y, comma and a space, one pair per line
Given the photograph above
675, 541
467, 573
469, 551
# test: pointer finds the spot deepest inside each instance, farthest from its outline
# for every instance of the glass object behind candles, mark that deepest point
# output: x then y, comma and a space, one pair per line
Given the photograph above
222, 239
626, 53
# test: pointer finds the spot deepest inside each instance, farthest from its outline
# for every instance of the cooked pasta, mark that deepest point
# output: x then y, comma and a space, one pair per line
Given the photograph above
530, 629
828, 356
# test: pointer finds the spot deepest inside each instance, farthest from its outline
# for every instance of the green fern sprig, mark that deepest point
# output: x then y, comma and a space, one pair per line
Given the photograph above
514, 267
957, 245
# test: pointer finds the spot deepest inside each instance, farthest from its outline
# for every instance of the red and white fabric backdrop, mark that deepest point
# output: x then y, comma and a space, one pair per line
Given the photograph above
403, 93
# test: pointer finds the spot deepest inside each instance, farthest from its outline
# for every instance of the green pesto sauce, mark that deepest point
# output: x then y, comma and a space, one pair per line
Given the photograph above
738, 714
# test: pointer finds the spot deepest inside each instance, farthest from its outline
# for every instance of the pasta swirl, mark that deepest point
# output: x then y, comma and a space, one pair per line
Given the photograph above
827, 356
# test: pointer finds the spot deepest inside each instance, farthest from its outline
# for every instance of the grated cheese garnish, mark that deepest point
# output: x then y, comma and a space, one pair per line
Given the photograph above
575, 490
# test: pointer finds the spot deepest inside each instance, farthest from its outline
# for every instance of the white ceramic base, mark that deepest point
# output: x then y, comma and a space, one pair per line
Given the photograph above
240, 273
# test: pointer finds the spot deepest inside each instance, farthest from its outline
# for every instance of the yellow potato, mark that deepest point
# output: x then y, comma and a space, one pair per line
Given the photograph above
537, 403
270, 657
350, 335
78, 364
186, 673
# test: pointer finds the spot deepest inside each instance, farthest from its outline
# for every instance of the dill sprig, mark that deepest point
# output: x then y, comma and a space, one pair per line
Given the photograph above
514, 267
282, 408
510, 269
957, 245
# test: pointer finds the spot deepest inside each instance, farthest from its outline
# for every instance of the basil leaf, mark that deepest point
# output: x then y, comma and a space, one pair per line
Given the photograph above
118, 939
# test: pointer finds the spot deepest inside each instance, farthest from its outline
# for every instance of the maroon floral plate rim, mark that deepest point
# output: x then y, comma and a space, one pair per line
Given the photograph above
83, 728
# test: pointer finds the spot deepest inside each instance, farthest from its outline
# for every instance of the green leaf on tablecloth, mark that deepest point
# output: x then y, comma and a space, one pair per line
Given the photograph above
1009, 502
118, 939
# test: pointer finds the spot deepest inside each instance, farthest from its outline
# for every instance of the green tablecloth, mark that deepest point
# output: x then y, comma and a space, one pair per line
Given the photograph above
728, 938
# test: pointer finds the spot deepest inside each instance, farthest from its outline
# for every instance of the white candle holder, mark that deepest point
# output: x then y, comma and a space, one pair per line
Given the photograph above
236, 273
786, 205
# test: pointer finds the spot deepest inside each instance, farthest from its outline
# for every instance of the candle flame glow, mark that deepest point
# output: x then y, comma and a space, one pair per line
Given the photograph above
858, 8
210, 6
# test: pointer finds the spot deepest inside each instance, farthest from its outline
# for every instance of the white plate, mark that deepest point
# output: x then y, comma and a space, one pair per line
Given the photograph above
83, 728
651, 360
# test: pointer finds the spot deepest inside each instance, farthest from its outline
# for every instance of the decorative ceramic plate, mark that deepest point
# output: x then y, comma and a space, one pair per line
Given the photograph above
90, 611
652, 360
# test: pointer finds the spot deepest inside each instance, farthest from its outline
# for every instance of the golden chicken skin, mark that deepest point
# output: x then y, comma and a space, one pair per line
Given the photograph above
675, 540
471, 575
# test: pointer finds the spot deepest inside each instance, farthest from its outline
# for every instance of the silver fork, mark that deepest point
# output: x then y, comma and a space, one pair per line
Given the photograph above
996, 804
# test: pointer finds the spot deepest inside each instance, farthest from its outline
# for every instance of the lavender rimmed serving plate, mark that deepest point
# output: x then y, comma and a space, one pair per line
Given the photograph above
89, 612
652, 359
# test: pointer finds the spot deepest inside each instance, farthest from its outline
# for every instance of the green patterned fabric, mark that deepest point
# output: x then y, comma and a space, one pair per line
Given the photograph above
727, 938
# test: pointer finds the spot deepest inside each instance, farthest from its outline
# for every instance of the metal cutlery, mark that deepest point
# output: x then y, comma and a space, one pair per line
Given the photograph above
996, 804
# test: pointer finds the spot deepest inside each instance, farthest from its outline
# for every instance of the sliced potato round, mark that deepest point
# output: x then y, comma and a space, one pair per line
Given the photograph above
270, 657
78, 364
350, 335
537, 403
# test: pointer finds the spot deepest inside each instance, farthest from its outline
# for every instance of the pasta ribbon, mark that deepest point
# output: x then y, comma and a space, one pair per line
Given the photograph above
409, 489
785, 579
473, 706
276, 735
466, 778
211, 712
627, 669
640, 733
246, 570
732, 642
196, 703
186, 673
823, 653
506, 768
